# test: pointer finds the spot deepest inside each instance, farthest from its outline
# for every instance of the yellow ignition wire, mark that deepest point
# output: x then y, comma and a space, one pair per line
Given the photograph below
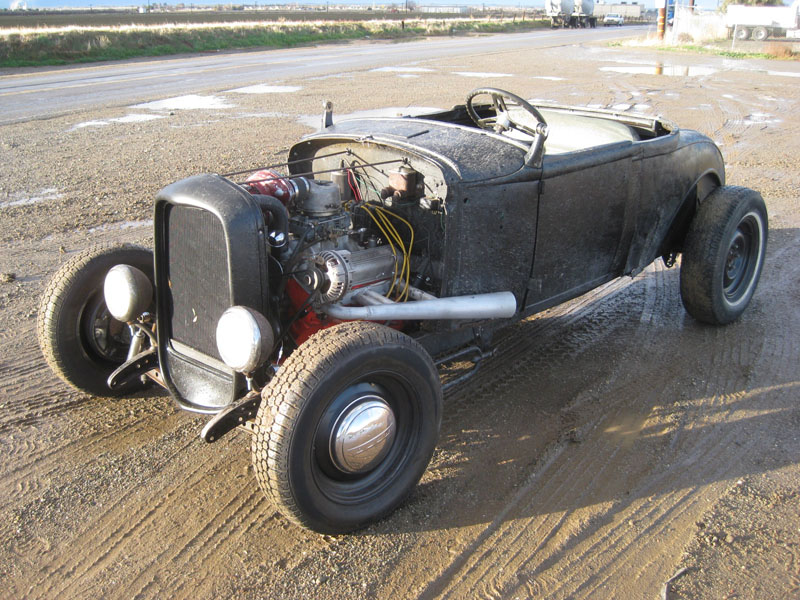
398, 240
407, 253
380, 216
388, 239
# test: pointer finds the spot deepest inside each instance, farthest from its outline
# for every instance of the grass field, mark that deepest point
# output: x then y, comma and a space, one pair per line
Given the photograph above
55, 39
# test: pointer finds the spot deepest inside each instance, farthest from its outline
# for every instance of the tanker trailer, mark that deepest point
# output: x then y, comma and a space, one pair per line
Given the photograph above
571, 13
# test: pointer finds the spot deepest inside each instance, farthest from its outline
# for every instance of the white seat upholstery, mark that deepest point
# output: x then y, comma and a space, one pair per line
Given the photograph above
570, 132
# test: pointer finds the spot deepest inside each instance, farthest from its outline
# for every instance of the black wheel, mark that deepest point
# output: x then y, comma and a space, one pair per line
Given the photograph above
742, 33
347, 426
723, 255
760, 34
80, 340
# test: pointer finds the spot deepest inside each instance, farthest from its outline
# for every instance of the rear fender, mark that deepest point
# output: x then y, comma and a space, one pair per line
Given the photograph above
705, 184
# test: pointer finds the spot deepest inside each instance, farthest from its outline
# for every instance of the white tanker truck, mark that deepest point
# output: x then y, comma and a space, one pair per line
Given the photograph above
761, 22
571, 13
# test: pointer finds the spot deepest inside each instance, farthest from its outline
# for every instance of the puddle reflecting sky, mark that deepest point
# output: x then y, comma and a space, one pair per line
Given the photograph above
658, 69
402, 70
481, 75
263, 88
189, 102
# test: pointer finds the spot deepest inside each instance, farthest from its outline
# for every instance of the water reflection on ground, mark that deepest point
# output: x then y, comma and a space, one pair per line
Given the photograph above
661, 69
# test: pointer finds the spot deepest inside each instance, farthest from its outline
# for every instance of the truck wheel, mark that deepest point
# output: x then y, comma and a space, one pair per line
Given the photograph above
347, 426
742, 33
723, 255
760, 34
80, 340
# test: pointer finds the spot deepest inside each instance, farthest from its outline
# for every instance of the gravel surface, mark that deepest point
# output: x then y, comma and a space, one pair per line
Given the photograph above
611, 448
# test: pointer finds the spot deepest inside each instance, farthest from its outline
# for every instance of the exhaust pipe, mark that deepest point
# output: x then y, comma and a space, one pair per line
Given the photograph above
498, 305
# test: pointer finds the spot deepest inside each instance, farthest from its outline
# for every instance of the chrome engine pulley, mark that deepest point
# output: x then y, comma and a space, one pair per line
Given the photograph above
346, 271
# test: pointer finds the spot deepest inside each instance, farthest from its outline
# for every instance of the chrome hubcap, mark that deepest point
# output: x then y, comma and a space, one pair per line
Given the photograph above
363, 434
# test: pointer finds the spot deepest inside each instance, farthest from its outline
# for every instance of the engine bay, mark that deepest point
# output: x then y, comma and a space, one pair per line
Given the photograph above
362, 234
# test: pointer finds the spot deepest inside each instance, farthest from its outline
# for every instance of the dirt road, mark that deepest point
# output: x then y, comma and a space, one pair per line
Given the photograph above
609, 444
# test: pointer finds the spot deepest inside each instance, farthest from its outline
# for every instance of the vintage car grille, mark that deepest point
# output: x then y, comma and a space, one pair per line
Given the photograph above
210, 254
197, 271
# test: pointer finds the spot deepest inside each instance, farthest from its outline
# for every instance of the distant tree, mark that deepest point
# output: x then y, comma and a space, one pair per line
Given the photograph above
725, 3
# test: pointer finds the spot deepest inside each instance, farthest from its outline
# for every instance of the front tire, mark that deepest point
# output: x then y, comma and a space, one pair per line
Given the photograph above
81, 342
724, 254
347, 427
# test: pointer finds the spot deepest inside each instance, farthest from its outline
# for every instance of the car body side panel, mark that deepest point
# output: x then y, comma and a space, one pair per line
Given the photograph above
603, 212
582, 222
490, 238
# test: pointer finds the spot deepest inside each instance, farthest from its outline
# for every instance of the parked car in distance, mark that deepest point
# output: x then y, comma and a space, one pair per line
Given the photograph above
613, 19
311, 303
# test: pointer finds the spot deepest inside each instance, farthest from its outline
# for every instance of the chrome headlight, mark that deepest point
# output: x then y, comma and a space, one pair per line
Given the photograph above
244, 338
128, 292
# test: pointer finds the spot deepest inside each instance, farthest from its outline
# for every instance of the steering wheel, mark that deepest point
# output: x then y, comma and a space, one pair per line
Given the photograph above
503, 120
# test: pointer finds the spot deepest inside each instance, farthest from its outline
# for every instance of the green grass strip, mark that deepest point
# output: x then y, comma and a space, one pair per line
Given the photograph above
777, 51
80, 46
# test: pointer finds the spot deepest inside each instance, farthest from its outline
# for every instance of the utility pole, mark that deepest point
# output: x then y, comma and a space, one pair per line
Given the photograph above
661, 5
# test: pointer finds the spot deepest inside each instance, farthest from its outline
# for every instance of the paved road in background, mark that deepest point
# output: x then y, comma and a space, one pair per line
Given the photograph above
48, 92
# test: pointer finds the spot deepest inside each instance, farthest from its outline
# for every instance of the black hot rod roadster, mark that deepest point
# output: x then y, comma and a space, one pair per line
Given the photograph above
311, 306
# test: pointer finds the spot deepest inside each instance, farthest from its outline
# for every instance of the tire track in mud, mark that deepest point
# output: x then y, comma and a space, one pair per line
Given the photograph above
175, 484
34, 459
671, 504
30, 463
117, 528
72, 565
216, 535
22, 362
220, 538
114, 504
607, 522
24, 406
745, 122
653, 289
715, 406
558, 336
575, 524
658, 516
546, 555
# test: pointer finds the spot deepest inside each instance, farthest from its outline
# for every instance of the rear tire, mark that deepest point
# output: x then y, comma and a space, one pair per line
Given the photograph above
760, 34
742, 33
724, 254
320, 466
81, 342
